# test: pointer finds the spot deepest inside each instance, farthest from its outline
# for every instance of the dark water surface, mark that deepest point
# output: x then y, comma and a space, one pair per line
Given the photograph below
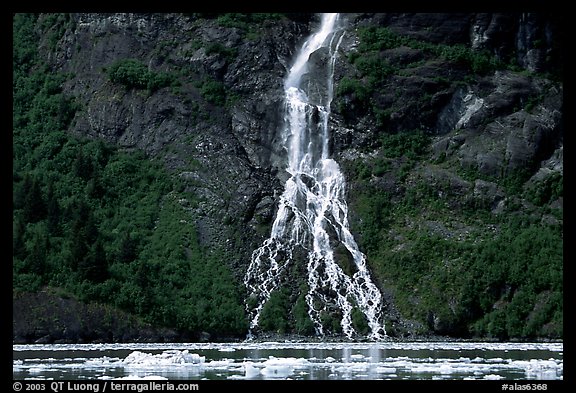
291, 360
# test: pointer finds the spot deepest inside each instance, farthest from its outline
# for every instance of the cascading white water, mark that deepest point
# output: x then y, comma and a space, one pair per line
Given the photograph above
312, 212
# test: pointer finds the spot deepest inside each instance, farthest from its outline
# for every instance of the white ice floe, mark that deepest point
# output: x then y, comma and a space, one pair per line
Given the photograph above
493, 376
221, 365
540, 369
282, 367
170, 357
36, 370
389, 360
250, 371
384, 345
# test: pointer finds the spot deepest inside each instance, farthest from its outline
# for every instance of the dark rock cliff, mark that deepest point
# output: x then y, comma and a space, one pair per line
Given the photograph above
218, 129
227, 155
239, 141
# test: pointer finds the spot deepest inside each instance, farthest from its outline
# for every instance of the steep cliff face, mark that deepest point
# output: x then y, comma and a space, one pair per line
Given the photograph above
217, 130
238, 140
484, 90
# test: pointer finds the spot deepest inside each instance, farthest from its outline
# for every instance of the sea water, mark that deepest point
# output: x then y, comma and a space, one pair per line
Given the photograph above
291, 360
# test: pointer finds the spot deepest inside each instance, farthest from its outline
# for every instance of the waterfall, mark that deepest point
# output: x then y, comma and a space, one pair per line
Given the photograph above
312, 213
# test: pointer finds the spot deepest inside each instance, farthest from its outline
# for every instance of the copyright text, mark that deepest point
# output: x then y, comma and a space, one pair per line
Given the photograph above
102, 386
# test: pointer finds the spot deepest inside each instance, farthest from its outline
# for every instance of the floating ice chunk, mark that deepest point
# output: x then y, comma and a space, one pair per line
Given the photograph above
359, 367
541, 369
446, 369
550, 363
277, 371
385, 370
169, 357
250, 371
282, 367
147, 377
223, 364
420, 369
493, 376
294, 362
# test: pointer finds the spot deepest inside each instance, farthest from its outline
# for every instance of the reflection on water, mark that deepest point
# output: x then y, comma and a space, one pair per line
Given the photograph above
291, 360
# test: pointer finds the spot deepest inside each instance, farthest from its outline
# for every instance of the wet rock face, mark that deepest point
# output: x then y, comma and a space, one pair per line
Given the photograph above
218, 130
496, 123
447, 28
225, 146
531, 39
495, 133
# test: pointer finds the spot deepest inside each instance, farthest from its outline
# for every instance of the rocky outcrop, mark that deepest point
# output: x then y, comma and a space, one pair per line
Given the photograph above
47, 317
217, 128
498, 123
225, 152
515, 123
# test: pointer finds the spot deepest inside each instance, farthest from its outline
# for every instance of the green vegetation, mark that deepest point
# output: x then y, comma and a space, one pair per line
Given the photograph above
374, 39
104, 225
287, 312
546, 190
448, 260
405, 144
218, 48
501, 277
55, 25
134, 74
247, 24
373, 69
275, 311
213, 91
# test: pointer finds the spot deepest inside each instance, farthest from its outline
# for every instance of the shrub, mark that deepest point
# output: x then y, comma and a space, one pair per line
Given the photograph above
133, 73
408, 144
214, 92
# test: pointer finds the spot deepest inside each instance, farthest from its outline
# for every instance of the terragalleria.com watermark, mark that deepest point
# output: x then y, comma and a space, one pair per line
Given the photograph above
101, 387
